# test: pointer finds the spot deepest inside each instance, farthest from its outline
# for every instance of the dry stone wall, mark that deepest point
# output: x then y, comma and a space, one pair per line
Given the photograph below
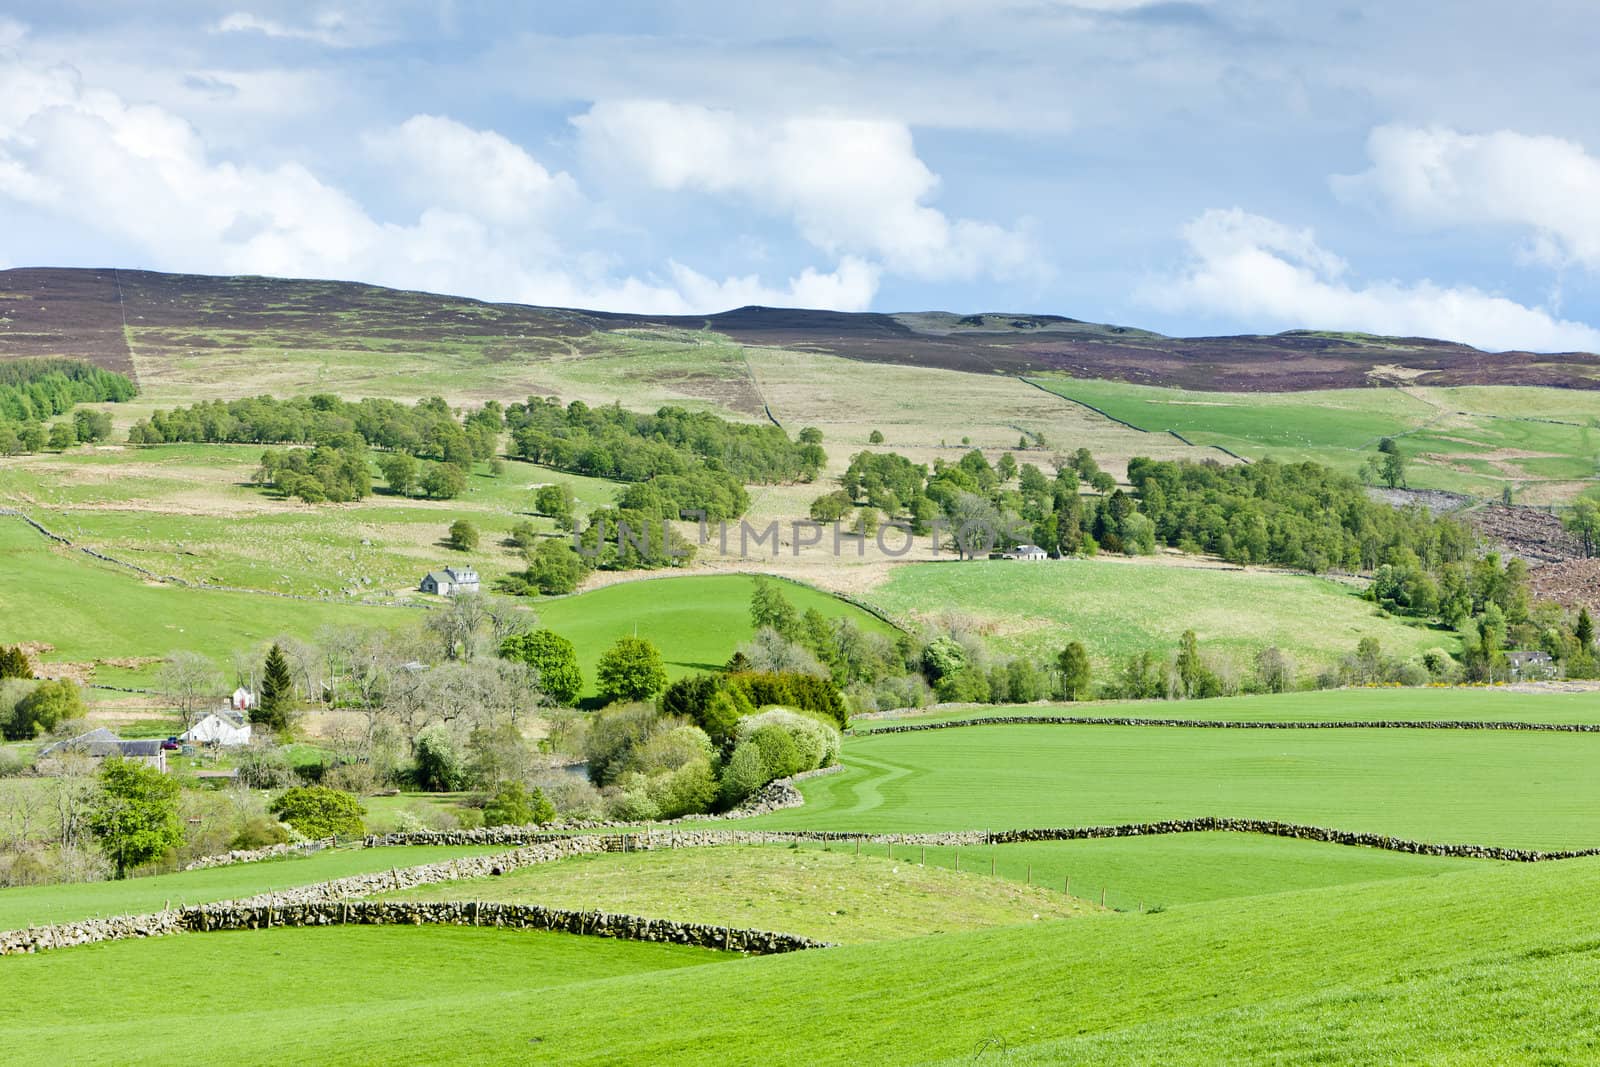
1235, 724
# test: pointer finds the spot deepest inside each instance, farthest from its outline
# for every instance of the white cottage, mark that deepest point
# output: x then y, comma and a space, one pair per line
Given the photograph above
242, 699
225, 727
1033, 552
452, 581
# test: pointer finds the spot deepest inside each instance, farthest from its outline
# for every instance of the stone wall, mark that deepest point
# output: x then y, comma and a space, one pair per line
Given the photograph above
1234, 724
251, 855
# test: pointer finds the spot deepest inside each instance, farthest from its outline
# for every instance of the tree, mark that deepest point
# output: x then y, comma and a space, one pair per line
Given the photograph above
443, 481
41, 711
1072, 663
1584, 523
553, 656
769, 607
317, 811
276, 699
1392, 468
61, 437
555, 568
513, 805
1006, 467
463, 536
556, 501
631, 669
440, 767
1584, 631
14, 662
1274, 672
400, 471
189, 681
134, 814
457, 625
1195, 679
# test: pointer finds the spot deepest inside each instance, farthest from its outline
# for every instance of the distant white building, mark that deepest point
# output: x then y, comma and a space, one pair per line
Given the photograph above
451, 581
1027, 552
242, 699
225, 727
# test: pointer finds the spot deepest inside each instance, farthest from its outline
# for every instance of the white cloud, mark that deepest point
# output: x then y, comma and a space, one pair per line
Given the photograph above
329, 28
143, 174
1254, 270
11, 32
444, 162
1439, 177
853, 186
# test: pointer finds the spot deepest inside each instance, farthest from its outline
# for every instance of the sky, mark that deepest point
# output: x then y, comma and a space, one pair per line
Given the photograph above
1191, 166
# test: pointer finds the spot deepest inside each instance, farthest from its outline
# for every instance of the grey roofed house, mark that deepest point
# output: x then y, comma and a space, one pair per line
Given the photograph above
102, 743
1530, 664
451, 581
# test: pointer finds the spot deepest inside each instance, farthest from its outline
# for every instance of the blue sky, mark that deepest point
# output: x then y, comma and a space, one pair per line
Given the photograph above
1195, 167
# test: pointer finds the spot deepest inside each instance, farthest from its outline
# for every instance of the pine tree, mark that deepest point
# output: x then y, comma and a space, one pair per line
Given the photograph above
1585, 631
14, 662
277, 692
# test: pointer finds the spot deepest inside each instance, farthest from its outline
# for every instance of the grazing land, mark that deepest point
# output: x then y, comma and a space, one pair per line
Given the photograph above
1523, 790
1117, 607
829, 894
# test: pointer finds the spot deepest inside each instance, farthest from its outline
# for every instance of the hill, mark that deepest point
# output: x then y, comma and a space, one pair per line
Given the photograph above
112, 317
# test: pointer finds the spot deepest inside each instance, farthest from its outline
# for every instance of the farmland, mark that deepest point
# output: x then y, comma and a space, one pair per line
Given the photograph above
1118, 607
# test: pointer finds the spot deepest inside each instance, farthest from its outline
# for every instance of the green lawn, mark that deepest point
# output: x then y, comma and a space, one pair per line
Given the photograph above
1522, 789
1483, 966
834, 895
22, 906
696, 620
1119, 607
1355, 705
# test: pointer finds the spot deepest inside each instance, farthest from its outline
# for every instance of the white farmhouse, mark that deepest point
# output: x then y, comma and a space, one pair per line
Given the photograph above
225, 727
1033, 552
452, 581
242, 699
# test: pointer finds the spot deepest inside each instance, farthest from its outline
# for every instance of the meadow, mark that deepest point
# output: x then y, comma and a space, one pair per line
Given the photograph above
829, 894
1351, 975
1118, 607
1540, 443
1482, 787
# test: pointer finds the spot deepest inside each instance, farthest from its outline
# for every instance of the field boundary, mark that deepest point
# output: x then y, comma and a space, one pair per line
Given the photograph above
1237, 724
1124, 422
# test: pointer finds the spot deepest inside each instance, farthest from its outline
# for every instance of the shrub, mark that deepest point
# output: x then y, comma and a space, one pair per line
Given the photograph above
463, 536
553, 656
265, 766
259, 831
780, 756
317, 811
782, 689
14, 662
817, 742
745, 772
513, 805
612, 736
439, 764
631, 669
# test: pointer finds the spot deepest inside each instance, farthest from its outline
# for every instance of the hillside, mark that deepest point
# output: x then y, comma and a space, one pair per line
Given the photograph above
111, 316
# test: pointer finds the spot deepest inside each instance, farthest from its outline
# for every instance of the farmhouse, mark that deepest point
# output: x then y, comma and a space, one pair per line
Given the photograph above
223, 727
242, 699
102, 743
1526, 665
1031, 552
451, 581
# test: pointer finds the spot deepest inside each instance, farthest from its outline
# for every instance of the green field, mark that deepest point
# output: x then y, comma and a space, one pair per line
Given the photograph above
696, 620
1344, 974
1540, 442
1482, 787
1119, 607
833, 895
1350, 705
22, 906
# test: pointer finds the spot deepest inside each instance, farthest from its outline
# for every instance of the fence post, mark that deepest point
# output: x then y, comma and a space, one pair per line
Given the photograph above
991, 864
1102, 896
958, 859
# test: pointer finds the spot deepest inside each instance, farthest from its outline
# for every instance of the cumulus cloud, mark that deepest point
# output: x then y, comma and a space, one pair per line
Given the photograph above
441, 161
1440, 177
1252, 269
145, 175
852, 186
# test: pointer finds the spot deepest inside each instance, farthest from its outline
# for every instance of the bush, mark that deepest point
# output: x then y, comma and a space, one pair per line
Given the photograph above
439, 766
612, 736
745, 772
780, 756
265, 766
817, 742
631, 669
553, 656
463, 536
41, 711
513, 805
259, 831
317, 811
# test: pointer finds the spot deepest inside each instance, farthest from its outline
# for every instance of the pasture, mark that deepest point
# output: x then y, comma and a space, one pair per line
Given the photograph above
1348, 972
829, 894
1542, 443
1482, 787
1118, 607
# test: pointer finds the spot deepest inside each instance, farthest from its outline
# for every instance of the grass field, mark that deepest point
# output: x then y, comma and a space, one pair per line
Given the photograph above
832, 895
22, 906
1542, 443
1528, 790
1342, 974
1480, 704
1119, 607
696, 620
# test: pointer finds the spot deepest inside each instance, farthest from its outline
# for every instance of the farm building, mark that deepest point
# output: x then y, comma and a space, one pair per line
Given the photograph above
224, 727
451, 581
102, 743
242, 699
1032, 552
